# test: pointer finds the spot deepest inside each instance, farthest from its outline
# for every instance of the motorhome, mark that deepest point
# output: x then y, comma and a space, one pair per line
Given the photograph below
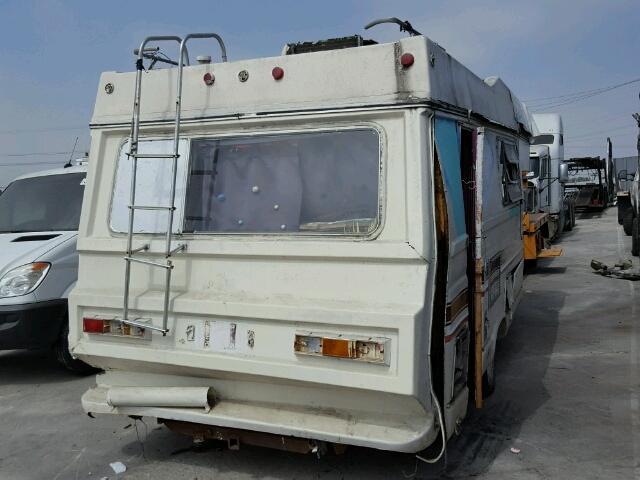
39, 216
318, 247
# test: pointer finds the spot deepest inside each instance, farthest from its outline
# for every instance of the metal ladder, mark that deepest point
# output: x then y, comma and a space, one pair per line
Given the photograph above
133, 154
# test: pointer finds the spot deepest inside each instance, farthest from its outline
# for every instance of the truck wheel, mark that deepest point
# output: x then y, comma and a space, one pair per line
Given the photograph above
635, 238
66, 360
627, 221
570, 221
489, 376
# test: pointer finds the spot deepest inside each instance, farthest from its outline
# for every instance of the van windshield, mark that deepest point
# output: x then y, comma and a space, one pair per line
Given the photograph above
41, 204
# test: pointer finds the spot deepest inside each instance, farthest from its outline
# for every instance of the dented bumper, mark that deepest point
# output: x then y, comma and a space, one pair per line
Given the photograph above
399, 431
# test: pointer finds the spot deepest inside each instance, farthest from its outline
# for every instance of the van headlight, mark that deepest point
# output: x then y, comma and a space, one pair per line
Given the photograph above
23, 280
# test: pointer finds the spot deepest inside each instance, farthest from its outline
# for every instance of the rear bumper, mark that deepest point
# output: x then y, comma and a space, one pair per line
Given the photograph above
32, 325
397, 431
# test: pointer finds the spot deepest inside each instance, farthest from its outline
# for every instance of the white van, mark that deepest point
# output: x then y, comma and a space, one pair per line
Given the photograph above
39, 215
345, 244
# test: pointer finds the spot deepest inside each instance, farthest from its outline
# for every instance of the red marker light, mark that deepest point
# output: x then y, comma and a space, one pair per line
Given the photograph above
209, 78
277, 73
407, 60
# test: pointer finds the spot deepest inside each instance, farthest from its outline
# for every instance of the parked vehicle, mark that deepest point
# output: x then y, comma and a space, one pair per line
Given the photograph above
588, 180
627, 176
538, 226
39, 215
623, 201
547, 158
318, 247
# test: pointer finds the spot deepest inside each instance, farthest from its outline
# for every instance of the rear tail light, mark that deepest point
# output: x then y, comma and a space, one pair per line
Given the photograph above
97, 325
372, 350
94, 325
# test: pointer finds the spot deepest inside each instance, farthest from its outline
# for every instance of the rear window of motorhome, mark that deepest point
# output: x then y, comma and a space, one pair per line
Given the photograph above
321, 182
42, 204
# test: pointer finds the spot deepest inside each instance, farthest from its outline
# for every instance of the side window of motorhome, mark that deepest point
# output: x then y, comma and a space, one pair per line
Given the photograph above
511, 183
320, 182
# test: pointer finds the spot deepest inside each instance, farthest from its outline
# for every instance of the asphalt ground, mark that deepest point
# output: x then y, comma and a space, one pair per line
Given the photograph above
567, 399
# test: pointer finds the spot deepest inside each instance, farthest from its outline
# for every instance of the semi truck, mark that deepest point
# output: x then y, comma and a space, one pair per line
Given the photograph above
321, 247
546, 164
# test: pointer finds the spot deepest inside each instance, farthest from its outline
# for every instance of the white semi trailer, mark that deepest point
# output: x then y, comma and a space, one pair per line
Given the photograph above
318, 247
546, 160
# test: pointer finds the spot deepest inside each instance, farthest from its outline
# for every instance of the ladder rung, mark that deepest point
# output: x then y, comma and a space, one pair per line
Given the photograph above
136, 323
150, 207
149, 262
154, 155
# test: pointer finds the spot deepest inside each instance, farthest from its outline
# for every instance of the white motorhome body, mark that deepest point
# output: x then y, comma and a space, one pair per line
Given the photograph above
352, 236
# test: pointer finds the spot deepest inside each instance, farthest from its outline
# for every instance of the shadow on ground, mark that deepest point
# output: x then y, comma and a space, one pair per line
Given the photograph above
27, 367
589, 214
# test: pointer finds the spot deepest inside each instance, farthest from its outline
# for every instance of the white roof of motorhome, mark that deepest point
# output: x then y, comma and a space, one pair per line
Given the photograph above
351, 77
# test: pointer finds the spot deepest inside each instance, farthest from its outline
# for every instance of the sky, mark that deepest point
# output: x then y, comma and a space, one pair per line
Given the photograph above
53, 52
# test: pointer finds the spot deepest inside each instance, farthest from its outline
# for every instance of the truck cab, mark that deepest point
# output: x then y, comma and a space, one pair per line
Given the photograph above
549, 133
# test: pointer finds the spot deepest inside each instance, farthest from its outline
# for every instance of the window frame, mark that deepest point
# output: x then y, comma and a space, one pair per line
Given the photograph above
178, 213
266, 132
504, 172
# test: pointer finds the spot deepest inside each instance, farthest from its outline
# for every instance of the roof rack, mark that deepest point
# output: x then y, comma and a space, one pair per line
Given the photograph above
328, 44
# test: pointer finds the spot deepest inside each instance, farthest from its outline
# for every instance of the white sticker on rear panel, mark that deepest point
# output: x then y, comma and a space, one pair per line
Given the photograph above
216, 336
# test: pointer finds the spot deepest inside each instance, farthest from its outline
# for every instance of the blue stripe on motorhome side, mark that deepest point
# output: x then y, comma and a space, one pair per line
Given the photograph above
448, 145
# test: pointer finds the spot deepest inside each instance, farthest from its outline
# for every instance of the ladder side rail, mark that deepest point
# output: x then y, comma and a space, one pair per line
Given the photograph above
133, 150
176, 131
172, 195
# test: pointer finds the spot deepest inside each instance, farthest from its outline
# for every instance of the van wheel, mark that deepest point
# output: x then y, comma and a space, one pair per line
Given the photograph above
627, 221
489, 376
635, 238
64, 356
